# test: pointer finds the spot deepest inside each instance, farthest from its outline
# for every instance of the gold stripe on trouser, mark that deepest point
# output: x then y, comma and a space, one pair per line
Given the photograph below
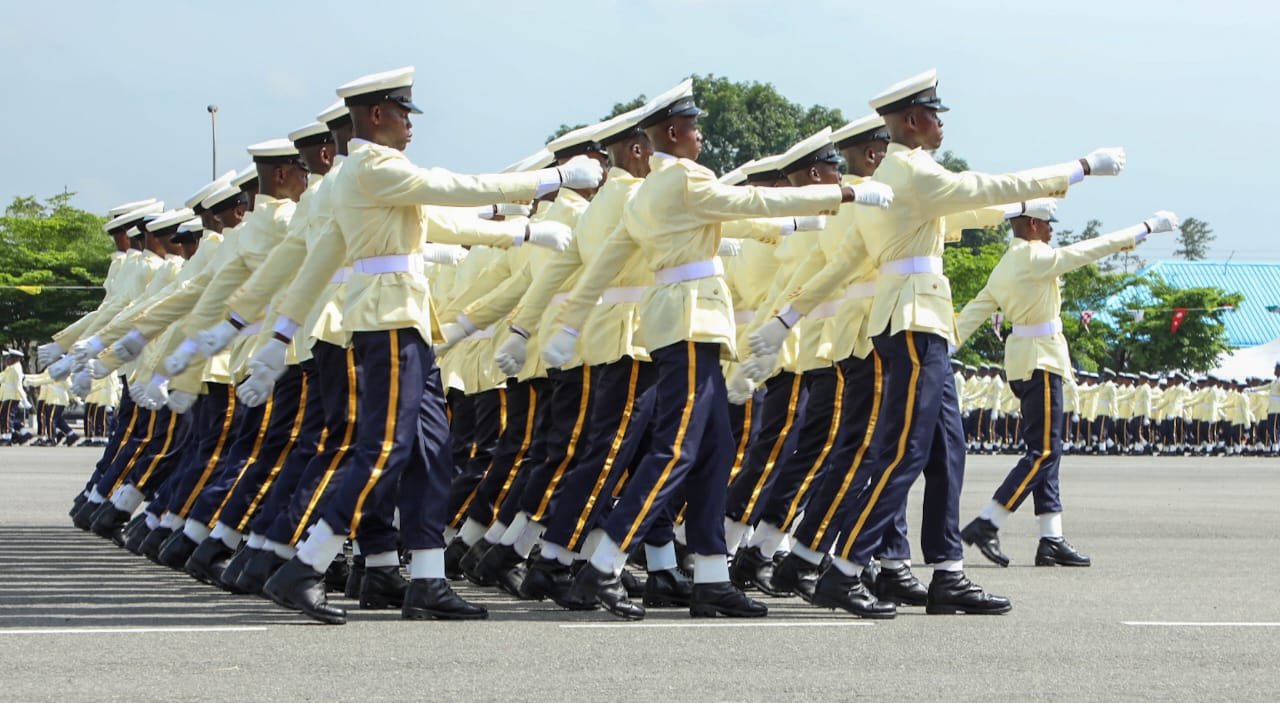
909, 416
832, 431
794, 400
524, 447
216, 455
747, 407
1045, 449
133, 420
284, 455
151, 428
159, 456
388, 433
338, 454
253, 458
857, 457
502, 427
572, 447
685, 414
614, 446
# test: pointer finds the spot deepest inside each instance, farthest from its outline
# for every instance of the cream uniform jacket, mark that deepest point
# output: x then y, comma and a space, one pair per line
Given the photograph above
118, 271
924, 194
674, 219
11, 382
51, 391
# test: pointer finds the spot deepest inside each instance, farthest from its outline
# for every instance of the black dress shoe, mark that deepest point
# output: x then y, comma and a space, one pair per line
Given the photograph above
950, 592
84, 516
591, 584
108, 521
335, 577
208, 561
836, 589
470, 563
452, 558
511, 580
669, 588
176, 550
752, 568
494, 566
984, 535
262, 564
229, 581
134, 538
78, 503
433, 598
900, 586
383, 587
547, 578
151, 545
795, 575
1059, 552
634, 587
712, 599
355, 577
299, 587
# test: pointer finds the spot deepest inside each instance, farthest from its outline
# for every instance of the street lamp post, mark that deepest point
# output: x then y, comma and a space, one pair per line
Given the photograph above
213, 130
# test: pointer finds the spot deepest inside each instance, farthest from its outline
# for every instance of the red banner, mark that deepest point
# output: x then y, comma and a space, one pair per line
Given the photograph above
1179, 314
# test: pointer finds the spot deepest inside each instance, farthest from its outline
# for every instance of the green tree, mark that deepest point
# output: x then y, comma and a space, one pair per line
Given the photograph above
968, 269
1149, 345
1194, 238
48, 243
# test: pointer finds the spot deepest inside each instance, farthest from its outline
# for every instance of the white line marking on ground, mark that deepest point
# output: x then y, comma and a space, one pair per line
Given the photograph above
1138, 623
692, 625
126, 630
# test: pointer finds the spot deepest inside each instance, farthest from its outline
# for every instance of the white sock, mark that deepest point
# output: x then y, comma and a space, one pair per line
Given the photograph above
660, 558
895, 563
127, 498
949, 565
229, 536
710, 568
557, 553
219, 529
496, 530
256, 540
471, 532
390, 558
528, 537
591, 542
606, 555
355, 549
197, 531
996, 513
733, 532
767, 539
515, 529
1050, 525
847, 567
426, 564
809, 555
320, 547
449, 534
283, 551
395, 519
95, 496
171, 521
785, 544
679, 532
152, 521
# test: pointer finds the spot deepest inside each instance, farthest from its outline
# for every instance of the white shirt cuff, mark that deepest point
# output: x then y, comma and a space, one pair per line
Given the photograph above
285, 327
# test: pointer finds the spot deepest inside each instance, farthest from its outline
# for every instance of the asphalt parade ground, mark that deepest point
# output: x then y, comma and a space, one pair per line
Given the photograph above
1181, 604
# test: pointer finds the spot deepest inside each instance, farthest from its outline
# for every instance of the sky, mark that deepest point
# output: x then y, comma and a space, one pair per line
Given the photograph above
108, 100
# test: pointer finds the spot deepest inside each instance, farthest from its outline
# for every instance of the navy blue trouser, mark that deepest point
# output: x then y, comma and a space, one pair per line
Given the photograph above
523, 399
1036, 473
126, 419
217, 413
779, 417
130, 449
489, 415
164, 453
917, 431
569, 413
798, 472
690, 451
279, 492
462, 426
401, 457
244, 446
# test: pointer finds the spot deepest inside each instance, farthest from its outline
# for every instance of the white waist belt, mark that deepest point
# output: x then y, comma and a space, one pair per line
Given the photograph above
391, 263
613, 296
1044, 329
863, 289
744, 317
915, 264
823, 311
341, 275
690, 271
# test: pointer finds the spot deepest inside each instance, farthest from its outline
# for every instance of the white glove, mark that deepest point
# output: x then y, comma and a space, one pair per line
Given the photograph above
729, 247
178, 361
739, 388
488, 212
443, 254
1041, 208
454, 332
560, 348
1108, 161
767, 339
156, 393
48, 353
581, 172
85, 350
24, 403
759, 368
813, 223
81, 382
216, 338
873, 193
550, 234
97, 369
181, 401
268, 363
136, 390
254, 391
62, 368
511, 354
1162, 221
128, 347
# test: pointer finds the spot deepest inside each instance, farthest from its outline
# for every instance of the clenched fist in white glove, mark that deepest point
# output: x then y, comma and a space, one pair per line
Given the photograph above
48, 353
729, 247
62, 368
758, 368
85, 350
767, 339
560, 348
511, 354
1162, 221
1108, 161
739, 388
268, 363
81, 382
443, 254
550, 234
97, 369
216, 338
181, 401
254, 391
129, 346
181, 357
581, 172
454, 332
873, 193
156, 393
137, 389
